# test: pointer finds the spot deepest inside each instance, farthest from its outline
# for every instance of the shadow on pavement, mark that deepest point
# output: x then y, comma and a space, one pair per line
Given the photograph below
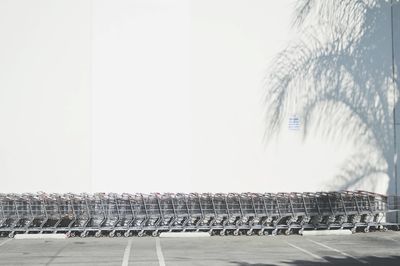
371, 260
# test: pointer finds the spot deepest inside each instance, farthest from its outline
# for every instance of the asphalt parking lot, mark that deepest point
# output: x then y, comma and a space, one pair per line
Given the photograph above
378, 248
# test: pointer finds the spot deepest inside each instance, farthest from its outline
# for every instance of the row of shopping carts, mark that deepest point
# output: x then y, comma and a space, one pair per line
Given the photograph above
125, 214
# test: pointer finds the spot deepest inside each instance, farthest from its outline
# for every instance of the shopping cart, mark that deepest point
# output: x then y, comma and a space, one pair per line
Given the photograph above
112, 214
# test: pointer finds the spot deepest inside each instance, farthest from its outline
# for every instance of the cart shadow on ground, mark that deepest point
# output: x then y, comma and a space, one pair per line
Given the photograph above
371, 260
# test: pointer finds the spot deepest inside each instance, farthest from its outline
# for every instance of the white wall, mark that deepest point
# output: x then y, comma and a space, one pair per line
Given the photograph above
45, 102
170, 96
178, 93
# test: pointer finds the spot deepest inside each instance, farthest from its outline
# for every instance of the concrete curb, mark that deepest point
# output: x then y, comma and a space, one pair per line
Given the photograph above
184, 234
326, 232
40, 236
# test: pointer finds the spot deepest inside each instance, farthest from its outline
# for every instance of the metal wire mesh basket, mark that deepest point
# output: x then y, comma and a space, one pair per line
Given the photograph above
142, 214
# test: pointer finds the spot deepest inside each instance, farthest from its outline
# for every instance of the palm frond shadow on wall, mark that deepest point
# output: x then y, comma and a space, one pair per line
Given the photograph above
337, 72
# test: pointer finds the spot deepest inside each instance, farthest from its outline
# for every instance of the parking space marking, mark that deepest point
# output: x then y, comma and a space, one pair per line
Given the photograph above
5, 241
127, 252
160, 255
336, 250
52, 258
306, 251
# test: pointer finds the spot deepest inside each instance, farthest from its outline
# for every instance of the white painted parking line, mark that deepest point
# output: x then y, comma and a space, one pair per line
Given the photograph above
5, 241
336, 250
127, 252
52, 258
160, 255
306, 251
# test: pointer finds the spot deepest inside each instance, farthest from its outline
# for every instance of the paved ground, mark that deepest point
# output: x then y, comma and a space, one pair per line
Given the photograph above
378, 248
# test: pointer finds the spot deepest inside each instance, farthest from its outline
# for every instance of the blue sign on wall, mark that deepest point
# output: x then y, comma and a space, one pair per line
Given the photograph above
294, 123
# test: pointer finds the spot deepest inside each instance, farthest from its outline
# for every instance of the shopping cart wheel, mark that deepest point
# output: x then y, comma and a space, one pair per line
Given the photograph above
140, 234
301, 231
366, 230
260, 233
127, 234
154, 233
72, 234
236, 232
222, 233
287, 232
249, 232
11, 235
274, 232
111, 234
353, 230
119, 234
84, 234
97, 234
